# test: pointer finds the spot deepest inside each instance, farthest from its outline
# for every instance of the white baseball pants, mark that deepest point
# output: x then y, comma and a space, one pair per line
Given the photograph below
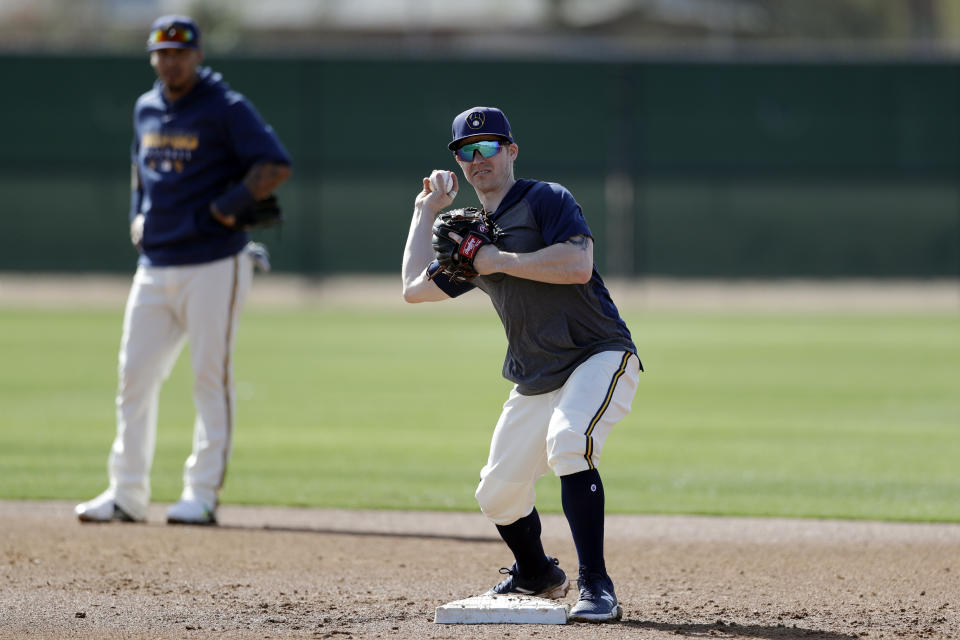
168, 306
563, 430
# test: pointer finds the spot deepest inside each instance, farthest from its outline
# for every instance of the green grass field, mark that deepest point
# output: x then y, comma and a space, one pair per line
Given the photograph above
847, 416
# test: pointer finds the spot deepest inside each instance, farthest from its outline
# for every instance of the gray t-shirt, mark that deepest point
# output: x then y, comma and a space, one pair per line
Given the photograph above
551, 328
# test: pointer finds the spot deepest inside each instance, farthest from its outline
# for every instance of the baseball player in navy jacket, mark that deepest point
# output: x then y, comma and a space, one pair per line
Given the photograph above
201, 155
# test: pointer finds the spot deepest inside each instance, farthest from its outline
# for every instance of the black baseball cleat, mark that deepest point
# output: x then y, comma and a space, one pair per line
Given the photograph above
552, 583
597, 602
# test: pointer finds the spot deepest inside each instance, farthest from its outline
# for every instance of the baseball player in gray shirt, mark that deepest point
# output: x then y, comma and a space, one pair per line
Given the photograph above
569, 353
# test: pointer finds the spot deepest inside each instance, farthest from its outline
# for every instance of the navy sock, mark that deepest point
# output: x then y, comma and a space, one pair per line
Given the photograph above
582, 497
523, 538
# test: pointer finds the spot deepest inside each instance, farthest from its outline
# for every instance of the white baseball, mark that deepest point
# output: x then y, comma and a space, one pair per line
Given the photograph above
441, 182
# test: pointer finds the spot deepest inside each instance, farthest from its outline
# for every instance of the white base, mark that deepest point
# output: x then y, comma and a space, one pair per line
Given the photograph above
508, 609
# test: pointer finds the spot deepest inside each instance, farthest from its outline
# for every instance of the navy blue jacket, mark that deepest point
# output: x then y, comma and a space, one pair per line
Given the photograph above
187, 153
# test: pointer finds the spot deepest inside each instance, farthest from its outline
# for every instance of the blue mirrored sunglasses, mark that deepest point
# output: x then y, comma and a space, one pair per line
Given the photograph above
487, 149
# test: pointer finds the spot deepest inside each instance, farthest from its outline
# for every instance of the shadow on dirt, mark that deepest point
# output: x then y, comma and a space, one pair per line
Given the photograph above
354, 532
734, 630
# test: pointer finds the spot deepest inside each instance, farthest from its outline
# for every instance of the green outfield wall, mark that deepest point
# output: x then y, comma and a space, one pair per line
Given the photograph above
779, 169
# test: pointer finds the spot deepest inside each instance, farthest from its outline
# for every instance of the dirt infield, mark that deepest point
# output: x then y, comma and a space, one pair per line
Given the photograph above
307, 573
299, 573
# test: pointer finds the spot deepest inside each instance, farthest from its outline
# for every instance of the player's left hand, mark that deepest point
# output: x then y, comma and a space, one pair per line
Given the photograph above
486, 258
224, 219
262, 213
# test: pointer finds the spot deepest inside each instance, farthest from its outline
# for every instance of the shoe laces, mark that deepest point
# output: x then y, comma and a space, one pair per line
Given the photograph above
590, 583
509, 571
514, 571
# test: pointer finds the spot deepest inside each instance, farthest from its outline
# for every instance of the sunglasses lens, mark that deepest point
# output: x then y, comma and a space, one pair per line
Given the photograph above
487, 149
171, 34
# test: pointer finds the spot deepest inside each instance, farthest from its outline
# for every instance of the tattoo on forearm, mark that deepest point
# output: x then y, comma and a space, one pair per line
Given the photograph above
579, 241
263, 178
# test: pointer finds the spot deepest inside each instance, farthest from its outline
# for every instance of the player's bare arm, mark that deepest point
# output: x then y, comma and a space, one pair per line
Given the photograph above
261, 180
569, 262
418, 252
264, 177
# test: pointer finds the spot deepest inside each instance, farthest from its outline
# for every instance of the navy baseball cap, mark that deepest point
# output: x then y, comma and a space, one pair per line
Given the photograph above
173, 32
478, 121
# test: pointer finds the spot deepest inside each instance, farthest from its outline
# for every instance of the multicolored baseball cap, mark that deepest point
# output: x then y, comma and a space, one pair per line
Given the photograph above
480, 121
173, 32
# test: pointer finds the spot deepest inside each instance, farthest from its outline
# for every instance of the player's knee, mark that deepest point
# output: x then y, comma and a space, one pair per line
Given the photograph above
567, 453
504, 502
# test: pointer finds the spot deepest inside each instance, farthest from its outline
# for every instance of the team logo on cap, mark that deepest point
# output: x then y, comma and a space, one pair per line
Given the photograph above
475, 119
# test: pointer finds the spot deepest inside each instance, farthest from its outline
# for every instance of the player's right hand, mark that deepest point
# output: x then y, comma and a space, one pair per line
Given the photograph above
433, 198
136, 230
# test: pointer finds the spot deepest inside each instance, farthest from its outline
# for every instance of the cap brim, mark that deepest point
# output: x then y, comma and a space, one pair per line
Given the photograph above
156, 46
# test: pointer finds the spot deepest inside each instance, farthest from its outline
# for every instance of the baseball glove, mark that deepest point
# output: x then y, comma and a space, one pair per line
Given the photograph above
262, 213
456, 258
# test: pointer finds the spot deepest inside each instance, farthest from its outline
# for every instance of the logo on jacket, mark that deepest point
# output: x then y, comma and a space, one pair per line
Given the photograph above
166, 152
